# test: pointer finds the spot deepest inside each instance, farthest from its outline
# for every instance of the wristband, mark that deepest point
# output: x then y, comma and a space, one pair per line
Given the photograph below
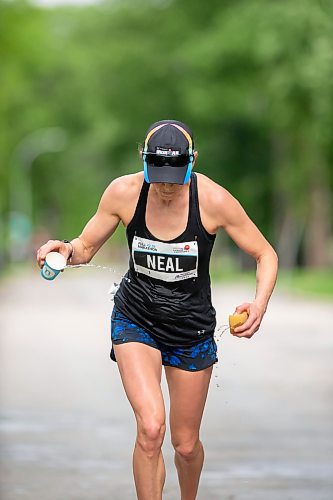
71, 255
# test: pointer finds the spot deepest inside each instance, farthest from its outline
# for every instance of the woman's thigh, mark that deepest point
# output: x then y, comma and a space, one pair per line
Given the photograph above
140, 368
188, 393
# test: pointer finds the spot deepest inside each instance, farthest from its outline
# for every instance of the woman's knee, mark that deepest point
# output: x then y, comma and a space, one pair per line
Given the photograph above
150, 434
187, 448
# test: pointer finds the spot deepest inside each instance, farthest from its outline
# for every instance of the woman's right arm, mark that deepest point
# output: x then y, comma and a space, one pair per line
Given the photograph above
96, 232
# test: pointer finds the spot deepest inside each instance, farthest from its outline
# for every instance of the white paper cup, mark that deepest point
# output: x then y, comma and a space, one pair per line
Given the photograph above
54, 263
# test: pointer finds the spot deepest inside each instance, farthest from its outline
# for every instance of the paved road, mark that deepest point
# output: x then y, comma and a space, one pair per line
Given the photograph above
67, 429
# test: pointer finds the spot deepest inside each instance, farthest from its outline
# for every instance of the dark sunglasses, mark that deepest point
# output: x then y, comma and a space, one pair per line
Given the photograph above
157, 160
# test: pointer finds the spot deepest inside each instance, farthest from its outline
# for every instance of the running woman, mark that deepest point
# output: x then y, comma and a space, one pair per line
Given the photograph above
163, 314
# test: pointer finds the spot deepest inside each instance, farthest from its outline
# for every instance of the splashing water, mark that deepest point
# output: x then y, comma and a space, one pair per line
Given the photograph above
220, 331
114, 286
106, 268
218, 336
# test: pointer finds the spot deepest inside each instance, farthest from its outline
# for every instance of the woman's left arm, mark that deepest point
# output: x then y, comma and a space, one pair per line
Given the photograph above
234, 220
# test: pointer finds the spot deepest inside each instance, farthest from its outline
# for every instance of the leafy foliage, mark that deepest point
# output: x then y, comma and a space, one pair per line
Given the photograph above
253, 80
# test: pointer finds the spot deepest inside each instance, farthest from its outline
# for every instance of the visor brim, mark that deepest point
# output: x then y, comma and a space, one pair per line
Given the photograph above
170, 175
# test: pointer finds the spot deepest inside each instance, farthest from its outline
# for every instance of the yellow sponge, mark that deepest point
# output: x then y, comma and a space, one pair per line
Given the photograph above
237, 320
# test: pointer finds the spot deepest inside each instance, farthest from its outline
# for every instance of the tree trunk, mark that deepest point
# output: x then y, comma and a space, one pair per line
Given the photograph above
318, 229
288, 228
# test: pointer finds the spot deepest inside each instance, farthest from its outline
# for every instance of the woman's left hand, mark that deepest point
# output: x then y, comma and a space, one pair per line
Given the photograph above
252, 324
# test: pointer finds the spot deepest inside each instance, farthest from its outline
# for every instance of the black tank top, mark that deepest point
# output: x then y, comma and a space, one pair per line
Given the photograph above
167, 290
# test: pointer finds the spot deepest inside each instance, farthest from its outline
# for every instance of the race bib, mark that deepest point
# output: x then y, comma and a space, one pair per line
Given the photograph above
165, 261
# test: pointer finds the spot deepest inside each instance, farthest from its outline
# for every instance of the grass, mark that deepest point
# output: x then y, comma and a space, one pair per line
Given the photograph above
315, 283
306, 282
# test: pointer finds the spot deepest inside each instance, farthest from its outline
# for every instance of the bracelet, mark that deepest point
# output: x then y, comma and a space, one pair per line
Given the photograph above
71, 255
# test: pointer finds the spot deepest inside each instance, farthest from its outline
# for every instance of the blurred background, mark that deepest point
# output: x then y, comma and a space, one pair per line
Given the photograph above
80, 82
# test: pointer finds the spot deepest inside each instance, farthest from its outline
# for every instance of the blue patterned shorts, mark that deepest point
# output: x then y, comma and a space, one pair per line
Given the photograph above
191, 358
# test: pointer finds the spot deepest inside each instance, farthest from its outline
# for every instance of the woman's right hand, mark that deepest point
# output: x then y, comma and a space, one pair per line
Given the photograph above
53, 246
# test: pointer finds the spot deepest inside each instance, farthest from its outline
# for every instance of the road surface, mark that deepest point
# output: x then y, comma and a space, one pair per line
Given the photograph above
67, 429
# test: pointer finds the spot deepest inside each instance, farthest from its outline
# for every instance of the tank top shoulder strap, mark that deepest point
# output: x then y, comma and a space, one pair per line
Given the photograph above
140, 209
193, 197
195, 209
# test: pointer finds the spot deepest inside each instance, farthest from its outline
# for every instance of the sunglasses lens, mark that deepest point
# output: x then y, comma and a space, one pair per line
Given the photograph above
170, 161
